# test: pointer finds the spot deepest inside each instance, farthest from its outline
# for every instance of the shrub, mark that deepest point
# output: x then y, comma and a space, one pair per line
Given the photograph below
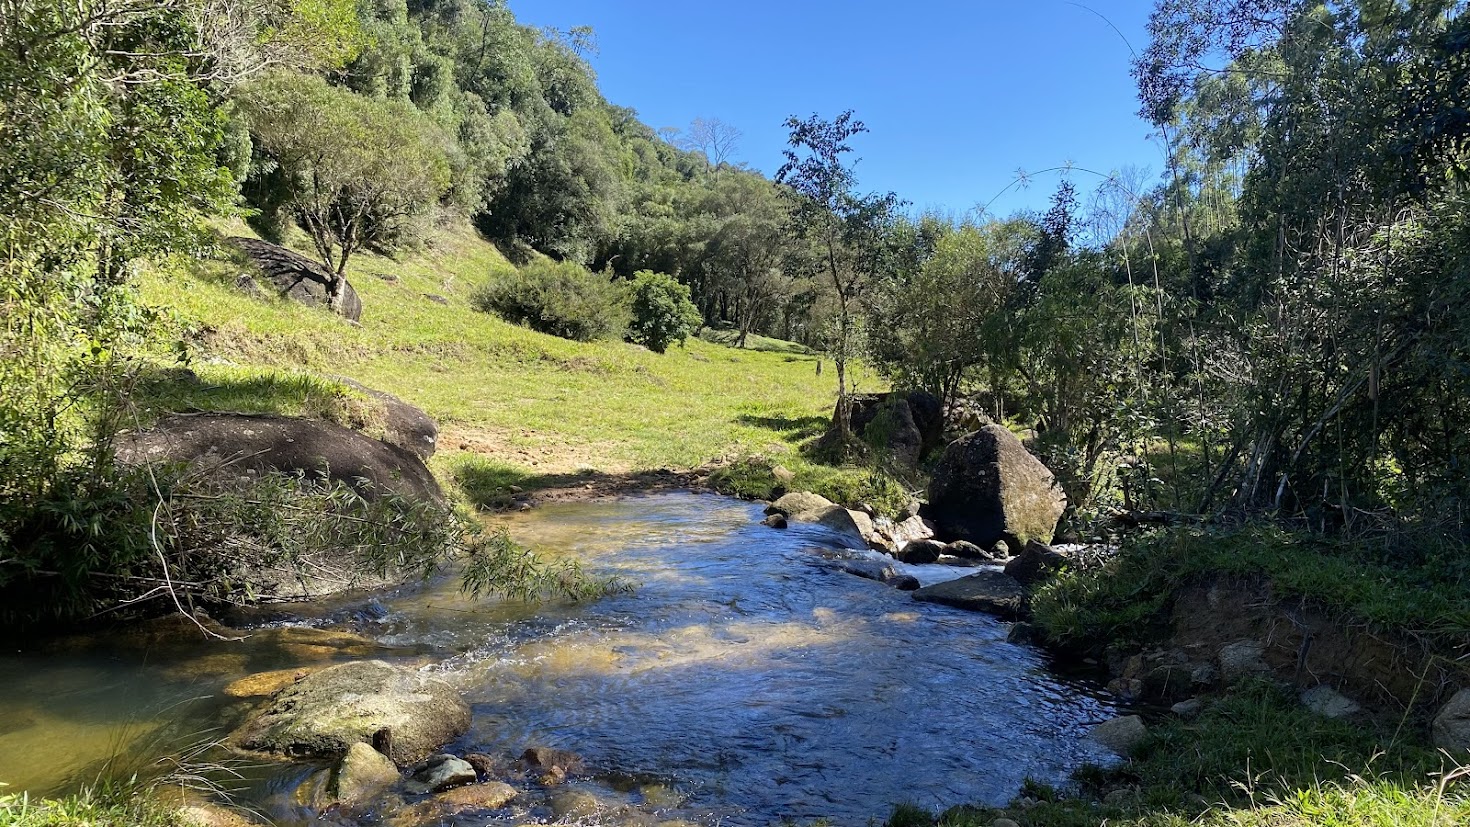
662, 311
560, 298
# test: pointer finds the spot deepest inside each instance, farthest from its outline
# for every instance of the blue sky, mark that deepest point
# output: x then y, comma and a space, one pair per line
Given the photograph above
958, 95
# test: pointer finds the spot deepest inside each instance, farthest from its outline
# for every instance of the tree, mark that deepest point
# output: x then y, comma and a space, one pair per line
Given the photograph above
353, 171
847, 228
748, 251
662, 311
712, 137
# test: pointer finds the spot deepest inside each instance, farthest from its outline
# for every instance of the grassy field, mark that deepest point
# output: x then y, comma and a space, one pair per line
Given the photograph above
512, 404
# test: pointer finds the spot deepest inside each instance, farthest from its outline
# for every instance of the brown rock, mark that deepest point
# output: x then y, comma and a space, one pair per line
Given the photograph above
1036, 562
267, 683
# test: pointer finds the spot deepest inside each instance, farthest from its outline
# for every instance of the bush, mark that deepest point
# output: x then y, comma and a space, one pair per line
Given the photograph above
560, 298
662, 311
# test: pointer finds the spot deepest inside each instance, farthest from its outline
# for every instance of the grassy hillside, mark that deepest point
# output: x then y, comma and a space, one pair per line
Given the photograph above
508, 398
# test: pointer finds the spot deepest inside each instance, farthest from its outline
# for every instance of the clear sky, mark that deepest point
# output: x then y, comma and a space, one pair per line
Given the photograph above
958, 95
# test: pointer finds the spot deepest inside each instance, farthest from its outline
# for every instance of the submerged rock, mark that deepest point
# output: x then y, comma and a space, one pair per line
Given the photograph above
329, 711
361, 774
992, 592
263, 684
988, 487
774, 521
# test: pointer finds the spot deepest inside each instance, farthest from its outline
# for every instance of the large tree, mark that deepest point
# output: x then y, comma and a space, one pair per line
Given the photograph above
352, 170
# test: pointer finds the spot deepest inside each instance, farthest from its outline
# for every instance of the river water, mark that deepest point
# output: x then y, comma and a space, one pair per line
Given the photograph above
746, 673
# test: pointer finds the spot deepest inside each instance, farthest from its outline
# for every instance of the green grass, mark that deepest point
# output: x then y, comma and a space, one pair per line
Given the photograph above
1122, 600
754, 341
1255, 758
532, 405
91, 808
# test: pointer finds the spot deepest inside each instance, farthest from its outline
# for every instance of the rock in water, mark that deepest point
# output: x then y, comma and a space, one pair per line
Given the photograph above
329, 711
1452, 724
1120, 735
988, 487
774, 521
988, 591
1036, 562
920, 552
237, 444
297, 277
804, 507
361, 774
439, 773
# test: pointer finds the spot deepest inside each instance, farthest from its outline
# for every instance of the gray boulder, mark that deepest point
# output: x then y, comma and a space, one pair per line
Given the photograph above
966, 551
855, 527
911, 529
987, 591
329, 711
1242, 659
1452, 724
439, 773
988, 487
296, 277
247, 445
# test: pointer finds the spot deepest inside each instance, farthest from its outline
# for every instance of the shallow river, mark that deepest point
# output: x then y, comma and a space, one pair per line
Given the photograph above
746, 673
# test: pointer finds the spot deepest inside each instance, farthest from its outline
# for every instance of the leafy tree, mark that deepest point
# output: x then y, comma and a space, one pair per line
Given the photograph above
353, 171
847, 228
662, 311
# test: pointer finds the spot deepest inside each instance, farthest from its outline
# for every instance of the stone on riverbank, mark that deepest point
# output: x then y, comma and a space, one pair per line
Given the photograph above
1036, 562
1329, 703
329, 711
1121, 734
987, 591
805, 507
439, 773
988, 487
1452, 724
920, 552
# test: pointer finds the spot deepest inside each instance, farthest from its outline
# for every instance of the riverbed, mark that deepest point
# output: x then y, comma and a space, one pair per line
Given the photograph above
747, 678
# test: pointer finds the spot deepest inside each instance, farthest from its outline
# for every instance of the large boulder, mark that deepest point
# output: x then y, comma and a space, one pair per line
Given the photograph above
296, 277
247, 445
988, 487
361, 773
909, 424
1121, 735
1452, 724
1036, 562
404, 425
986, 591
410, 714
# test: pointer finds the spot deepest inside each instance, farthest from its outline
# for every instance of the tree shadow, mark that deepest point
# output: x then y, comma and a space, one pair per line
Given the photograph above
795, 429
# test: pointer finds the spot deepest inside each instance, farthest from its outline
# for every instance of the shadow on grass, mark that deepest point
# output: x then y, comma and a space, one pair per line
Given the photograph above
762, 344
793, 429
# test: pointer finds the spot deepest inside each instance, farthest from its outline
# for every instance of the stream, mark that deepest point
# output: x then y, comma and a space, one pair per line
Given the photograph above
747, 679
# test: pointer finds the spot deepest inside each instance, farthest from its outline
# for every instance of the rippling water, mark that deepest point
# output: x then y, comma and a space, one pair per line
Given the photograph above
745, 671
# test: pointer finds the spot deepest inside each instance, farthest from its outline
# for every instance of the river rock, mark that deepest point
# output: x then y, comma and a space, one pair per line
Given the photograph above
490, 795
905, 583
802, 506
296, 277
1452, 724
774, 521
855, 527
547, 759
439, 773
361, 774
1121, 735
1036, 562
1242, 659
1329, 703
966, 551
870, 570
988, 487
911, 529
241, 446
329, 711
1188, 709
263, 684
204, 814
920, 552
992, 592
404, 425
582, 805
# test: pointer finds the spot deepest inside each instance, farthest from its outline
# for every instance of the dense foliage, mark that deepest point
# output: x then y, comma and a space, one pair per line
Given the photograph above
561, 298
661, 309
